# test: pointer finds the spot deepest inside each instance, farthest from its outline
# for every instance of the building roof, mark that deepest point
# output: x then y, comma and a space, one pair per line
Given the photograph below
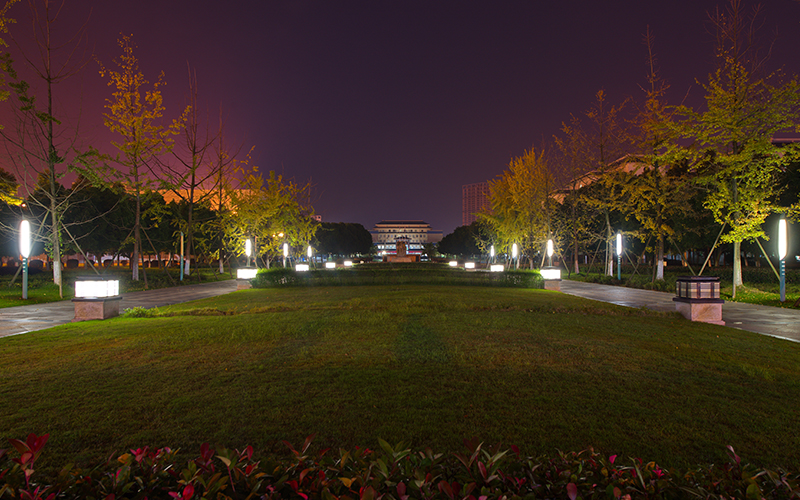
402, 223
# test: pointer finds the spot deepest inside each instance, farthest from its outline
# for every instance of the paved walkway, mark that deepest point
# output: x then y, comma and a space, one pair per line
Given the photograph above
773, 321
22, 319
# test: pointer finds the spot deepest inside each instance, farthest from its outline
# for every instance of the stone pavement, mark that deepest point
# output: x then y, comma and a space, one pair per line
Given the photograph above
773, 321
22, 319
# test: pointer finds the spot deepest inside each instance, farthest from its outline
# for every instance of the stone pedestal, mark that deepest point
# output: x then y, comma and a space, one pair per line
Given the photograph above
552, 285
243, 284
96, 308
698, 299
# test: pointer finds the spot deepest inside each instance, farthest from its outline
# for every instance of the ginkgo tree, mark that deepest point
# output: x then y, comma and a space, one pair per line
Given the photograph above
136, 114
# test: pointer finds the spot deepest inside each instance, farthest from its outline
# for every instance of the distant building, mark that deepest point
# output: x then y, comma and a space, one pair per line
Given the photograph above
415, 233
474, 199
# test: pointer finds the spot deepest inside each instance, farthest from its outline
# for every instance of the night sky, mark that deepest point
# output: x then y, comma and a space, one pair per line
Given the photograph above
388, 107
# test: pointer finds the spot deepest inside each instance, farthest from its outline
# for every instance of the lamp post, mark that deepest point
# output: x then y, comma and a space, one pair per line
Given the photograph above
782, 248
309, 252
514, 252
550, 253
285, 253
619, 256
491, 254
180, 267
25, 250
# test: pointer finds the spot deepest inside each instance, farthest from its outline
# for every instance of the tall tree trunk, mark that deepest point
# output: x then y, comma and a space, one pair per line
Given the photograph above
609, 253
660, 258
137, 239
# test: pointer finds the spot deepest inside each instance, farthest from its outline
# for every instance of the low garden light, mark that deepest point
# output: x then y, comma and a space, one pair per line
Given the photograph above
453, 263
514, 253
619, 256
96, 298
496, 268
25, 251
348, 263
469, 265
301, 267
783, 247
330, 265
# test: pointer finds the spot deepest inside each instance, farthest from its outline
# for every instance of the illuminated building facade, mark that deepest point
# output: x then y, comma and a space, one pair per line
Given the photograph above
415, 233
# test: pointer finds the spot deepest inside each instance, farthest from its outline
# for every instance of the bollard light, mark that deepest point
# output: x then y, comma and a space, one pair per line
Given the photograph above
469, 265
330, 265
496, 268
783, 246
246, 273
301, 267
453, 263
25, 250
348, 263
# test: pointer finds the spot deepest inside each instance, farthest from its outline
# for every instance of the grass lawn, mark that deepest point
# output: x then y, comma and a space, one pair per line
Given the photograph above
427, 364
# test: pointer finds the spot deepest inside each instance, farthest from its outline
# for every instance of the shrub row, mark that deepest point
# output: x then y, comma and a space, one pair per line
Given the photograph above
390, 473
369, 275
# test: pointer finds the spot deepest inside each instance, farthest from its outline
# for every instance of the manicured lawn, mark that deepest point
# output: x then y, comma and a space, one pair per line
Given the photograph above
427, 364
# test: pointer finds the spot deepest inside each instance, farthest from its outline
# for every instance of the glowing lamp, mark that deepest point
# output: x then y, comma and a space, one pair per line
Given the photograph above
783, 244
90, 288
25, 238
491, 251
550, 273
309, 251
496, 268
549, 248
453, 263
301, 267
348, 263
514, 251
330, 265
469, 265
619, 244
246, 273
285, 250
248, 248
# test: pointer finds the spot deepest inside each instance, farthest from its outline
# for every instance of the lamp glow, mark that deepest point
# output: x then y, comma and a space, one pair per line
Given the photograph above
248, 248
491, 251
452, 263
783, 244
246, 273
25, 238
330, 265
469, 265
301, 267
551, 273
619, 244
285, 250
514, 251
310, 251
496, 268
96, 288
550, 248
348, 263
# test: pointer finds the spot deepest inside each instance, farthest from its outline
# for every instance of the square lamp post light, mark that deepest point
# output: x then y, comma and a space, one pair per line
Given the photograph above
96, 298
550, 274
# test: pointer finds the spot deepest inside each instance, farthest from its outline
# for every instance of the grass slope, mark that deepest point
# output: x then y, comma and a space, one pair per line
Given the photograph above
427, 364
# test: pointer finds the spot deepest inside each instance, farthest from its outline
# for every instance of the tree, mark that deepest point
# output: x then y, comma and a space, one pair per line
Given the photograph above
342, 238
41, 145
745, 106
136, 114
463, 241
521, 203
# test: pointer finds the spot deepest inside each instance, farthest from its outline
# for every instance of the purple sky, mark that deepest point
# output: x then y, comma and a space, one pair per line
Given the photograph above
388, 107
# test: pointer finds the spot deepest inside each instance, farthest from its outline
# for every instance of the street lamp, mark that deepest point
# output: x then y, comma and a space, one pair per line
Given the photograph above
25, 250
491, 254
550, 253
285, 253
619, 256
782, 248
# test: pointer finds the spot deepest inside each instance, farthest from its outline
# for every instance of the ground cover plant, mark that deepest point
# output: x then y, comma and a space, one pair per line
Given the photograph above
429, 365
760, 284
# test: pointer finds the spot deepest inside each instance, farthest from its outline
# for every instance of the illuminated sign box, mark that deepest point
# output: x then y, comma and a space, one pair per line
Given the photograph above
330, 265
469, 265
301, 267
496, 268
246, 273
551, 273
